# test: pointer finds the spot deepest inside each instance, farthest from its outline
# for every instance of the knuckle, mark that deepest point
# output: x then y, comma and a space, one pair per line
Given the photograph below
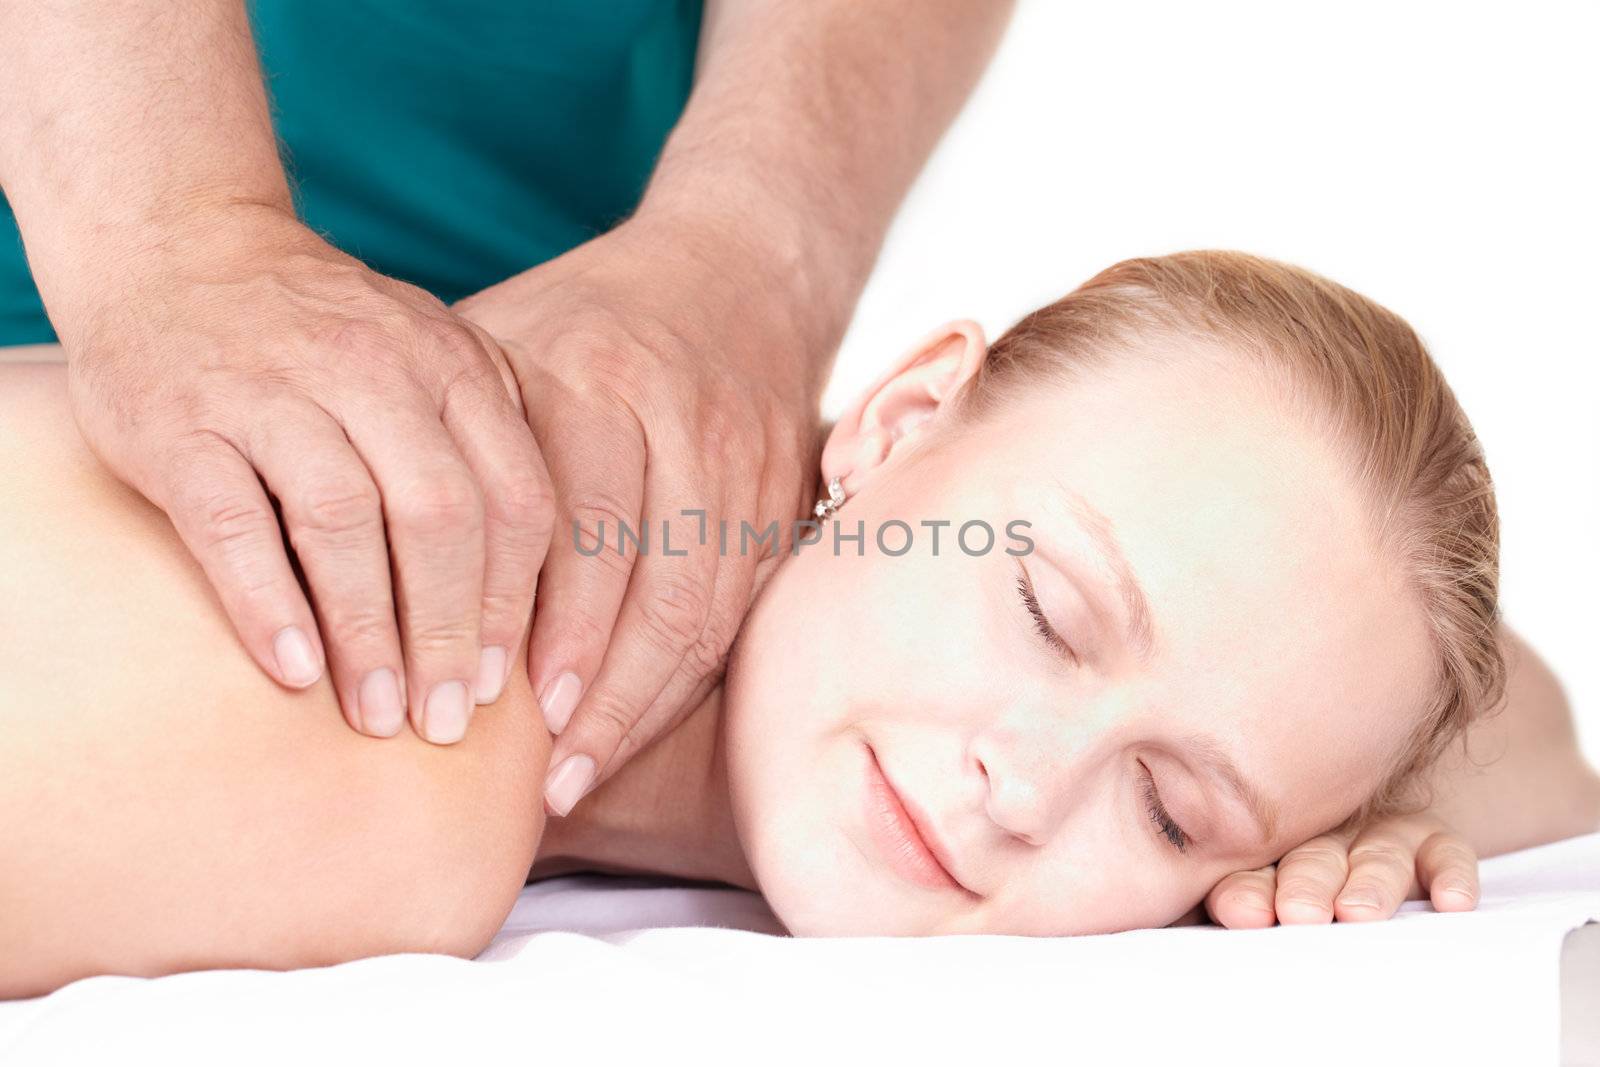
362, 337
627, 746
523, 498
234, 532
359, 628
583, 634
595, 513
593, 335
426, 635
608, 717
673, 611
705, 656
1315, 853
471, 387
448, 336
228, 523
1446, 849
339, 505
730, 427
1376, 889
503, 607
1386, 854
449, 501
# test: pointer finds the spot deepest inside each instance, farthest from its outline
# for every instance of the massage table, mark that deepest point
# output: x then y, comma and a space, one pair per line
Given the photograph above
595, 969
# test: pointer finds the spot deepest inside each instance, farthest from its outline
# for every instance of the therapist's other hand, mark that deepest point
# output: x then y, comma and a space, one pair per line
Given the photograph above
245, 357
663, 376
1354, 876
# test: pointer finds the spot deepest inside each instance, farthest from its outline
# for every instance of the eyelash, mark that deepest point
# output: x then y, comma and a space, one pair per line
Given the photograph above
1158, 814
1040, 624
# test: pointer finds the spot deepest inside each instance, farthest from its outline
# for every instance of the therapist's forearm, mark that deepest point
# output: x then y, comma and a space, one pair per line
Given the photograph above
808, 123
1520, 780
122, 120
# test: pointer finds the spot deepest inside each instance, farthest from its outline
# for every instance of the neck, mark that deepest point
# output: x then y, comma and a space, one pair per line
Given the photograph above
666, 812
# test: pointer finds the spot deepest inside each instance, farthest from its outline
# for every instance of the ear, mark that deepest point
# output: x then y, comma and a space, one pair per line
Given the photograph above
891, 413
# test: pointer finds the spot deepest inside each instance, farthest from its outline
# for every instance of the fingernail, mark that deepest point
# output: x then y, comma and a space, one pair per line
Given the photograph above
568, 784
558, 700
1359, 898
444, 716
1253, 901
1457, 893
383, 712
491, 674
297, 661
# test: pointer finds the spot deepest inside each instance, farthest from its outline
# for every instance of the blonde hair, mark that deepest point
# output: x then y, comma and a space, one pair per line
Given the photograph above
1361, 372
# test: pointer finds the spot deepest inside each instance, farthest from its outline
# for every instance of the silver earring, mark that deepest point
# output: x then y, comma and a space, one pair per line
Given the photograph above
826, 508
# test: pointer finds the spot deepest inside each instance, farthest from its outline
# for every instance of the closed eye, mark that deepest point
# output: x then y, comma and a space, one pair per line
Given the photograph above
1164, 823
1041, 624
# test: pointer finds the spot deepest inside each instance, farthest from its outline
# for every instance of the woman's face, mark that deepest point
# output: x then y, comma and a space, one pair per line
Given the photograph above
1220, 667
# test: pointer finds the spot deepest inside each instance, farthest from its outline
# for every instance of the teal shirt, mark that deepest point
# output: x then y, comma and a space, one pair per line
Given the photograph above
454, 144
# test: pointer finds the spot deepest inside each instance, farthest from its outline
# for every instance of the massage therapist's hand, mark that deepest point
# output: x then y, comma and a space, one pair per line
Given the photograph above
661, 376
251, 358
1354, 876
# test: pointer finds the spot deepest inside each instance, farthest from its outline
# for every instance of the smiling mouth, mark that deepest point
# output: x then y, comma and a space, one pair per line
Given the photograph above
909, 852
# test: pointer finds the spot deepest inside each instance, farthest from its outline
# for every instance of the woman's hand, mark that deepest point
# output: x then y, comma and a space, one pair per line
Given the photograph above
670, 370
240, 356
1354, 876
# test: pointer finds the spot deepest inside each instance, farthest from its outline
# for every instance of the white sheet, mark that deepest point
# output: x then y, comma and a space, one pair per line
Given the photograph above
590, 970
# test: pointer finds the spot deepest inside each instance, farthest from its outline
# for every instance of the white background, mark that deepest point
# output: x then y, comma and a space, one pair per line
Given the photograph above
1439, 158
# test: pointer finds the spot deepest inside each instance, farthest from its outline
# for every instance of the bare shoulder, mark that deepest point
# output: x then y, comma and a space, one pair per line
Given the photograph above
163, 804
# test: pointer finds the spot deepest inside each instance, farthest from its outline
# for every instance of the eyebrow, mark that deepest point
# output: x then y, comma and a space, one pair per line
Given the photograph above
1214, 758
1140, 633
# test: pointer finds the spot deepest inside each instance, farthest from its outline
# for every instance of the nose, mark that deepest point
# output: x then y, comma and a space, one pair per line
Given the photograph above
1016, 803
1034, 769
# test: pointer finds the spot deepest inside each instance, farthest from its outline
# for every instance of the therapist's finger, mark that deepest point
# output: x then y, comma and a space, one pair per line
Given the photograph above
1447, 867
518, 513
216, 502
1309, 877
661, 621
334, 517
434, 514
596, 458
1243, 900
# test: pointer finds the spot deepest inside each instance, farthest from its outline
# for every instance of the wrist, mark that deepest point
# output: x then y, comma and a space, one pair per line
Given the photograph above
792, 289
118, 265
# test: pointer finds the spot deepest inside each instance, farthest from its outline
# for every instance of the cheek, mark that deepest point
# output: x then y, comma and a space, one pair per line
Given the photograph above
811, 674
1105, 871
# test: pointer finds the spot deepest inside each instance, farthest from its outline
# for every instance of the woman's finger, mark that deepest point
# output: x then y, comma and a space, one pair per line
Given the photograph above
1309, 877
1243, 900
1382, 872
1447, 867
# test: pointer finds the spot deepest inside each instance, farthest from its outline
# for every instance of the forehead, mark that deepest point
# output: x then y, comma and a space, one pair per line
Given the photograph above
1277, 624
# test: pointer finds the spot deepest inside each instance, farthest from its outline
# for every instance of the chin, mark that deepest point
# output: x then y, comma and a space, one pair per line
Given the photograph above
827, 889
807, 915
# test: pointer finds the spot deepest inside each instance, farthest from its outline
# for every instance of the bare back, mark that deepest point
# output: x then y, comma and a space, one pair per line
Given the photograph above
163, 804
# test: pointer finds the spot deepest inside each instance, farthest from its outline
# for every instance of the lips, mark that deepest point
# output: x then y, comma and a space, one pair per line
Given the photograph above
903, 835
